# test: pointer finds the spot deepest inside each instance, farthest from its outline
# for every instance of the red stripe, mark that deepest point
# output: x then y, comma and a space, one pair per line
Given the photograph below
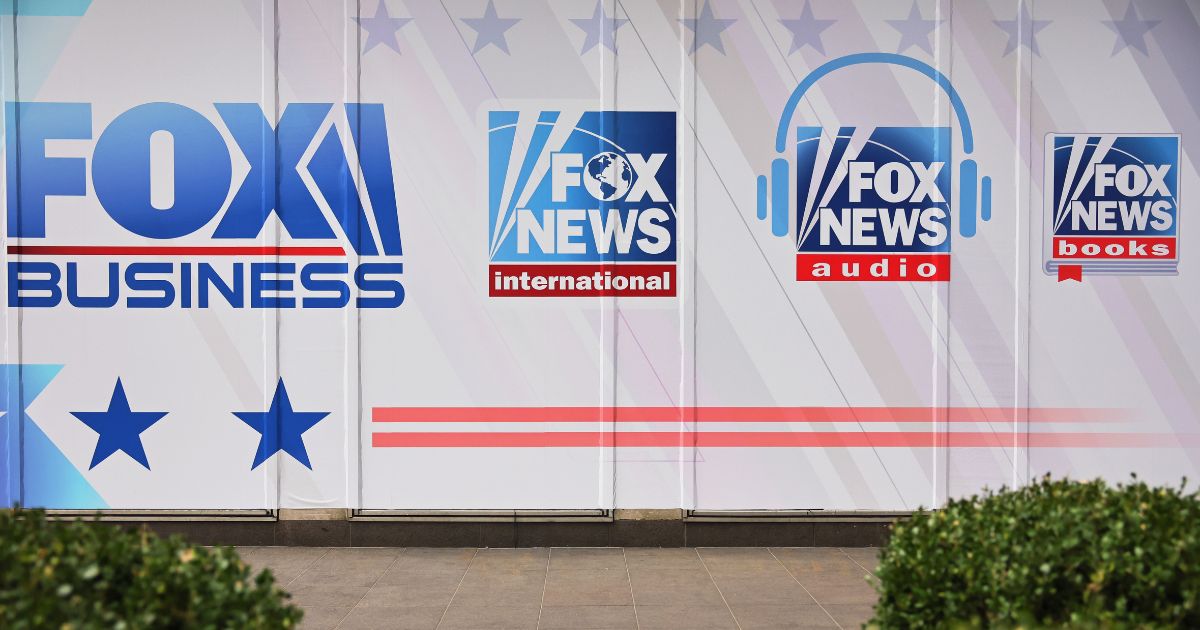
741, 414
155, 250
904, 439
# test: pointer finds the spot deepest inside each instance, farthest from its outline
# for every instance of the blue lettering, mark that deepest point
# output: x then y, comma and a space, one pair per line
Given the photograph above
207, 277
255, 200
121, 170
31, 175
19, 282
163, 286
365, 283
100, 301
260, 285
310, 282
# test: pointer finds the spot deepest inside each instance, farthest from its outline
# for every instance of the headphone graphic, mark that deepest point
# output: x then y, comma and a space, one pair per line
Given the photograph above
975, 193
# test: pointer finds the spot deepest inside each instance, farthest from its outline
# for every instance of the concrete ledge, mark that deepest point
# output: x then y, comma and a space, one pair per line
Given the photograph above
315, 514
648, 515
627, 532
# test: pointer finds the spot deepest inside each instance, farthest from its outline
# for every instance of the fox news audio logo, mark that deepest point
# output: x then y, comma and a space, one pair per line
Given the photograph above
874, 204
1112, 204
581, 206
181, 228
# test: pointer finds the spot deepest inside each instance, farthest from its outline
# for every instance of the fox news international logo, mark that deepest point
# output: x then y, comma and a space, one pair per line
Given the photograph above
874, 204
180, 224
581, 205
1112, 204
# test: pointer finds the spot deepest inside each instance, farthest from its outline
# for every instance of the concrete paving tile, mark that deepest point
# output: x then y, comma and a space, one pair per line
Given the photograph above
416, 618
332, 595
342, 576
245, 552
479, 617
348, 566
586, 559
851, 615
763, 590
684, 617
438, 579
413, 594
781, 616
588, 617
739, 560
583, 588
866, 557
423, 560
285, 563
475, 578
521, 589
845, 593
361, 556
674, 588
288, 554
575, 587
662, 559
322, 617
777, 572
814, 560
507, 560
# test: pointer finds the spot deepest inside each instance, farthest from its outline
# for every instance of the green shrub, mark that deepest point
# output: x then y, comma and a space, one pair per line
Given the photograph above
75, 574
1052, 554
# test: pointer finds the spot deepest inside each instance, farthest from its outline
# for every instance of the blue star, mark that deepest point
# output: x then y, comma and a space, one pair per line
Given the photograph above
490, 29
915, 30
381, 29
599, 28
706, 29
1131, 30
806, 30
281, 428
1022, 31
120, 428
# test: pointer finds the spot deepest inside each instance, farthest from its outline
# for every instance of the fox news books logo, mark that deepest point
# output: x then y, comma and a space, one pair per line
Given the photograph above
184, 230
581, 206
1112, 204
874, 204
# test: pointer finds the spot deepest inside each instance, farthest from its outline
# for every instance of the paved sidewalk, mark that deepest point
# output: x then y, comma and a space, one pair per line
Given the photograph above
574, 588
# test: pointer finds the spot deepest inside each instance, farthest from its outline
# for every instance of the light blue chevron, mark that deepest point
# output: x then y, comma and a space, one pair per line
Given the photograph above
36, 473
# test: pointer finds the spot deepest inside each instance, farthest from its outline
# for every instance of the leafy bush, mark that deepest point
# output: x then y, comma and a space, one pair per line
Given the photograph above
1053, 554
75, 574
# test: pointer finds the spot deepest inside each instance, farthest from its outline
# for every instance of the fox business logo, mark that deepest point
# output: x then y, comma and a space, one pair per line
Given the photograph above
581, 206
1112, 204
180, 230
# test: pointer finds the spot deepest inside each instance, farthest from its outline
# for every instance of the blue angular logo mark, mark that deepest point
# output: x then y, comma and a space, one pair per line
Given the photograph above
49, 479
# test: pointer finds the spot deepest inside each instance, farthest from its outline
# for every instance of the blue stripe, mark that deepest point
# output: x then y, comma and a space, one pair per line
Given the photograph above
779, 197
45, 7
762, 197
968, 175
985, 198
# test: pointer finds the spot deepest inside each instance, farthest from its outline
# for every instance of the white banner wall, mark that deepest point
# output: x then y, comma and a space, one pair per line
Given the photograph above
594, 254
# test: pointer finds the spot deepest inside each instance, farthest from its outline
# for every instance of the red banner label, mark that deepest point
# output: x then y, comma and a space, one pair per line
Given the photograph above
872, 267
554, 280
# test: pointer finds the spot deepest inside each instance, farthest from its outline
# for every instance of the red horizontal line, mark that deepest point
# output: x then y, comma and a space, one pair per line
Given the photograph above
740, 414
157, 250
880, 439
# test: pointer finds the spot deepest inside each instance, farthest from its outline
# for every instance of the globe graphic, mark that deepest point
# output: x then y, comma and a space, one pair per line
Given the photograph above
607, 176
